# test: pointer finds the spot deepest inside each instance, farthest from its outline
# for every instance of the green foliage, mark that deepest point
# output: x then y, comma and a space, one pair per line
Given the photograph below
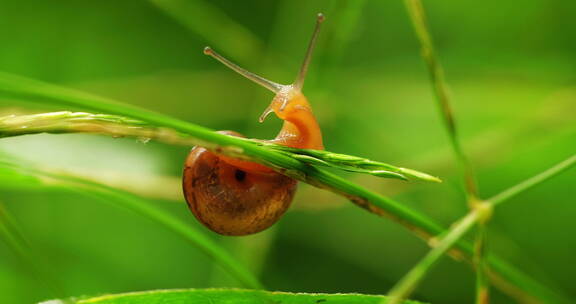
370, 104
122, 199
225, 296
373, 202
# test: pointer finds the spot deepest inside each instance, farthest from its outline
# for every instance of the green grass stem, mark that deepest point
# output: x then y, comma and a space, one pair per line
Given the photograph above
533, 181
203, 18
436, 74
123, 199
408, 283
477, 215
118, 126
35, 263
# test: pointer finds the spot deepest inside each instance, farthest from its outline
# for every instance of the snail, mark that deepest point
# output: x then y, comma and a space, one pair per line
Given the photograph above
237, 197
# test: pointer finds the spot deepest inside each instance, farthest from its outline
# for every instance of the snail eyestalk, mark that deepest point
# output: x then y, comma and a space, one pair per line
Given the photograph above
265, 114
270, 85
304, 68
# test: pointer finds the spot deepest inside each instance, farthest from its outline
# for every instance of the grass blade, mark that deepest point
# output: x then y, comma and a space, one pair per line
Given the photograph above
131, 202
408, 283
436, 74
482, 285
533, 181
207, 20
218, 295
11, 233
119, 126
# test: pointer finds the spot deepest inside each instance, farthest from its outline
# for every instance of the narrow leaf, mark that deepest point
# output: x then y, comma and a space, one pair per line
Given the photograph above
226, 296
123, 199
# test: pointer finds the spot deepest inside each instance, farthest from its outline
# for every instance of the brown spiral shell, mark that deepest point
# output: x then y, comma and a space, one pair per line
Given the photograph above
231, 201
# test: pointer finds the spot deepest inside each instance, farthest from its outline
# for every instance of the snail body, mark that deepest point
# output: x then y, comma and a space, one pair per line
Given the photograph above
237, 197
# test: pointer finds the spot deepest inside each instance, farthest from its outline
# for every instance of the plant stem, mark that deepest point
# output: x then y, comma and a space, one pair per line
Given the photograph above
436, 74
482, 285
37, 266
126, 200
406, 285
533, 181
215, 26
504, 274
118, 126
477, 215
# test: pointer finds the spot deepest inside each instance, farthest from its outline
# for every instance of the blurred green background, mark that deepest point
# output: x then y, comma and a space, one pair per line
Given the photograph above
511, 67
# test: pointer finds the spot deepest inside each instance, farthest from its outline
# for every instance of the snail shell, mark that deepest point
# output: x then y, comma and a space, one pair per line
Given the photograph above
232, 201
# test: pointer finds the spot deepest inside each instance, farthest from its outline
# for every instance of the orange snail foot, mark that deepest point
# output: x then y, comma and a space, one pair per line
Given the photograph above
231, 201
